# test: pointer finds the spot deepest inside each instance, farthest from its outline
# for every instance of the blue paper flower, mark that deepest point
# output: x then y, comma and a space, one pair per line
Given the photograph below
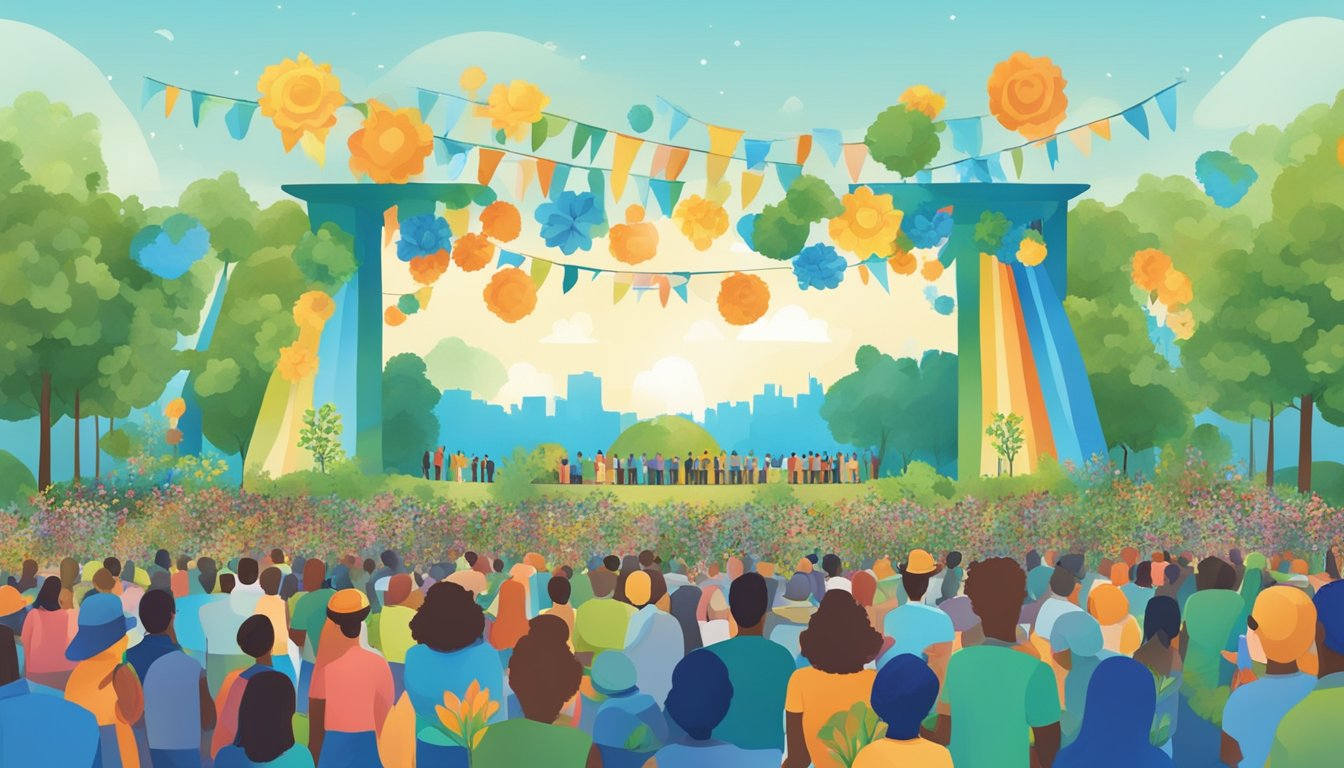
746, 229
568, 222
640, 118
168, 250
422, 235
944, 305
1225, 178
927, 226
819, 266
1007, 252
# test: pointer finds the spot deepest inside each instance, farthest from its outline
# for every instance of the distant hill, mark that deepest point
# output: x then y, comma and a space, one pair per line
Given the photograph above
667, 435
1327, 479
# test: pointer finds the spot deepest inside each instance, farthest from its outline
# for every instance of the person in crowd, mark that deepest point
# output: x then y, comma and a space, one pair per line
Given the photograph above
544, 674
904, 692
438, 463
1211, 615
1138, 590
256, 637
576, 470
274, 607
30, 717
599, 469
48, 629
1309, 735
394, 627
178, 708
489, 465
559, 590
1077, 647
758, 669
424, 465
511, 621
833, 567
701, 695
475, 468
999, 699
1064, 586
713, 615
309, 615
1108, 605
266, 727
685, 606
838, 644
629, 726
101, 682
351, 692
632, 468
653, 640
450, 654
601, 624
1115, 730
915, 627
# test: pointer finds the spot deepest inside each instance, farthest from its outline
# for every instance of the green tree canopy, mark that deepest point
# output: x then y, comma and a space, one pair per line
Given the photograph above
668, 435
409, 424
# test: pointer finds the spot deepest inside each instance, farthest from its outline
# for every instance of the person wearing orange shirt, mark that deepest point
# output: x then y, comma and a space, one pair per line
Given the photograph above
351, 693
101, 683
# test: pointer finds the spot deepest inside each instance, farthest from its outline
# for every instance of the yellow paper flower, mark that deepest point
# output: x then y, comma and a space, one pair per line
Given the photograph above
391, 146
903, 262
1026, 94
1031, 252
868, 226
472, 78
175, 408
393, 316
501, 221
932, 270
701, 220
427, 269
634, 241
297, 362
743, 298
511, 294
472, 252
301, 97
1182, 323
513, 108
1149, 267
922, 98
1175, 289
313, 309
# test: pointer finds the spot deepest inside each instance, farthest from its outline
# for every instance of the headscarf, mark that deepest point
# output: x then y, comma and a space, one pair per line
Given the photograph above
398, 589
685, 601
1121, 700
511, 623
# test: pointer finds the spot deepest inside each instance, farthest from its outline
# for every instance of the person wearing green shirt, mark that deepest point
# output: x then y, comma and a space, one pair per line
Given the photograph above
600, 623
1211, 615
305, 628
759, 670
1309, 735
993, 692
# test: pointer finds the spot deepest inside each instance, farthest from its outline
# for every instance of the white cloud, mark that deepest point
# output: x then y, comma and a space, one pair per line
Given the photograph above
704, 330
788, 323
792, 105
578, 329
166, 34
672, 385
1289, 68
525, 381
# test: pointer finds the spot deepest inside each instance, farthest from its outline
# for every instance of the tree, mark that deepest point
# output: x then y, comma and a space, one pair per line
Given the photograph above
321, 435
1139, 416
62, 151
1005, 434
409, 424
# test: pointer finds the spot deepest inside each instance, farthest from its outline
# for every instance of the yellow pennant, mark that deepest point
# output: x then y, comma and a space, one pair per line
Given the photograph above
627, 147
540, 269
170, 94
459, 220
314, 147
751, 184
722, 145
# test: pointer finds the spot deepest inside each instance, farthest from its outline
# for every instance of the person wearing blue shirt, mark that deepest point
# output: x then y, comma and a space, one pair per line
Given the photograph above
37, 725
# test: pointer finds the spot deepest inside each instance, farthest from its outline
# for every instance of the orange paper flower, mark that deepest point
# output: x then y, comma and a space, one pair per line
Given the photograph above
1182, 323
922, 98
513, 108
1149, 268
1026, 94
391, 146
297, 362
301, 97
1031, 252
427, 269
511, 294
501, 221
393, 316
903, 262
743, 298
634, 241
472, 252
313, 309
1175, 289
701, 220
932, 270
868, 226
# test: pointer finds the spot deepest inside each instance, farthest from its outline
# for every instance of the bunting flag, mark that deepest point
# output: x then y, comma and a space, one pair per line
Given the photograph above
722, 144
619, 287
677, 119
682, 286
200, 102
487, 161
509, 259
1082, 139
878, 266
1017, 161
664, 288
658, 166
642, 189
453, 111
1052, 152
587, 136
426, 99
804, 148
750, 186
559, 177
967, 135
597, 183
676, 163
571, 277
527, 173
667, 193
148, 90
391, 223
239, 118
545, 172
540, 269
924, 177
1102, 128
627, 148
1136, 117
788, 174
855, 155
829, 140
170, 94
314, 148
756, 151
1166, 104
540, 132
459, 220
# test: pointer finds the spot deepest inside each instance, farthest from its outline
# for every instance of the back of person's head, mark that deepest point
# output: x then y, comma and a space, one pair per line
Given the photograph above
69, 572
558, 589
636, 587
389, 558
156, 611
103, 580
183, 562
470, 557
831, 564
904, 692
864, 588
1171, 572
9, 656
701, 693
348, 609
1062, 581
369, 565
265, 717
247, 571
314, 573
748, 599
289, 586
1143, 574
1162, 619
953, 559
646, 558
997, 587
839, 637
1284, 620
1121, 699
1329, 602
1107, 604
113, 566
543, 672
49, 595
226, 583
277, 556
1033, 559
256, 636
270, 580
163, 560
1214, 573
498, 565
449, 619
611, 563
206, 574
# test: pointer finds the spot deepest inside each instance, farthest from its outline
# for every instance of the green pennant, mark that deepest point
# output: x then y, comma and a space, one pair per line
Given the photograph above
540, 133
540, 269
501, 137
556, 125
618, 291
581, 135
360, 107
1017, 162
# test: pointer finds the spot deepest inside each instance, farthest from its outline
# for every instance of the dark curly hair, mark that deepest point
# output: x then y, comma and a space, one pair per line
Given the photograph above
449, 619
543, 672
838, 638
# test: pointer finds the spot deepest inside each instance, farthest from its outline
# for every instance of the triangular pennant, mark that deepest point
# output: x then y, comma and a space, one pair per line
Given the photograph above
459, 220
750, 185
923, 177
967, 136
541, 131
863, 274
509, 259
390, 224
1166, 104
995, 164
1082, 139
1136, 117
545, 173
597, 184
170, 94
558, 180
540, 269
664, 288
678, 121
676, 162
556, 125
627, 148
361, 107
756, 151
682, 286
423, 295
452, 112
787, 174
571, 277
314, 147
722, 144
239, 118
829, 140
487, 160
527, 173
667, 193
878, 266
148, 90
642, 188
804, 148
658, 166
582, 133
1102, 128
426, 100
1017, 161
1052, 152
199, 103
855, 154
595, 143
619, 287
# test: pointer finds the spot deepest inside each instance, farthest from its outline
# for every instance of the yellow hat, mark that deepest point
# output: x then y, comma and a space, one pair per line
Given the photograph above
920, 563
638, 588
1285, 620
11, 600
348, 601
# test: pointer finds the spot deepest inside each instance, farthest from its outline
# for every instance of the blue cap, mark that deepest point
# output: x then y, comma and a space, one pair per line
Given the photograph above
101, 625
1329, 602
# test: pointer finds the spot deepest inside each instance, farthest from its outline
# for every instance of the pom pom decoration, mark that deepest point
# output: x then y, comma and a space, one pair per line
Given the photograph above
1009, 244
868, 226
391, 145
423, 235
408, 304
924, 99
903, 263
1031, 249
427, 269
701, 220
501, 221
472, 79
1182, 323
297, 362
1175, 290
568, 221
903, 139
634, 241
175, 408
1149, 268
932, 270
1225, 178
1026, 94
944, 305
169, 250
513, 108
393, 316
313, 309
819, 266
511, 294
640, 118
743, 298
472, 252
927, 227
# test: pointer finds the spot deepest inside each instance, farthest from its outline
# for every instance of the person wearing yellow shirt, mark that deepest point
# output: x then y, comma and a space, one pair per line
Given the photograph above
904, 692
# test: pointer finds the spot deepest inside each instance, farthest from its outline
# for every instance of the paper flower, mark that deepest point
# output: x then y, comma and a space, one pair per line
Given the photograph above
1175, 289
423, 235
903, 262
1149, 267
944, 305
701, 220
1026, 94
169, 250
1182, 323
743, 298
634, 241
511, 294
568, 221
819, 266
500, 221
640, 118
429, 268
927, 226
1031, 248
473, 252
1009, 243
932, 270
922, 98
297, 362
472, 79
391, 146
868, 226
301, 97
393, 316
175, 408
513, 108
408, 304
1225, 178
313, 309
903, 139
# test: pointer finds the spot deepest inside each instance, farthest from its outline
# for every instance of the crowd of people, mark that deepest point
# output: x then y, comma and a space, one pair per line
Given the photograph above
717, 468
459, 467
636, 660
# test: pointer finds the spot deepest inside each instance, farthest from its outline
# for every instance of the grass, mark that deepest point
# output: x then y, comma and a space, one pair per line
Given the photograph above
1327, 479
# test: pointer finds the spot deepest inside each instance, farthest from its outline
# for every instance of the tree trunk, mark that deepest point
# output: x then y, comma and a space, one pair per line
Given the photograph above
1250, 471
44, 434
1124, 466
97, 450
1010, 467
1269, 451
1307, 411
76, 474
